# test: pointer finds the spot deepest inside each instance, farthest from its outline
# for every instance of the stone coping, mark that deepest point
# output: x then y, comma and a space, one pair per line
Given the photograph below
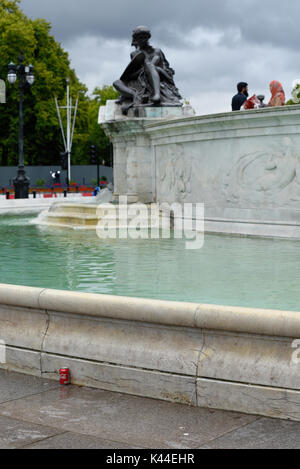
227, 116
170, 313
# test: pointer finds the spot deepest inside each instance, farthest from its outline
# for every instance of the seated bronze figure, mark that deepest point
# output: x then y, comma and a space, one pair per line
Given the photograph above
148, 79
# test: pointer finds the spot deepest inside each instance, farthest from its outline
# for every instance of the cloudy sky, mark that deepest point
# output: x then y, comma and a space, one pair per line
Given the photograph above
211, 44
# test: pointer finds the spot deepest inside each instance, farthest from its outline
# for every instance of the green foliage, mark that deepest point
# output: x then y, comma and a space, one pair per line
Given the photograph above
104, 94
295, 96
40, 182
93, 134
42, 136
51, 67
96, 135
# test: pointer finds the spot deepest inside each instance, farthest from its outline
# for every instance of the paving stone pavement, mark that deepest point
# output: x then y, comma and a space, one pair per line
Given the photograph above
41, 414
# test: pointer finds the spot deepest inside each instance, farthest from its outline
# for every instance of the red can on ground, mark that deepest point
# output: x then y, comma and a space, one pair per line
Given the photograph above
64, 376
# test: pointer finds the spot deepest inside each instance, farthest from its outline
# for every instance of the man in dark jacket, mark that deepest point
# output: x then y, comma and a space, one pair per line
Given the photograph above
239, 99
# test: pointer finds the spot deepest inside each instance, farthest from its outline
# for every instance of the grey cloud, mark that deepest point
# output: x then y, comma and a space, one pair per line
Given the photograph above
212, 44
264, 21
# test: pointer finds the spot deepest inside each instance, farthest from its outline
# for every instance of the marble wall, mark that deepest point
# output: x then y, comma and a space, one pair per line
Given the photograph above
245, 166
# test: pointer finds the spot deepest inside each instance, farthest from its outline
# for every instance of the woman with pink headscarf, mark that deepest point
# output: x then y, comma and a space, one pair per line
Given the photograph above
278, 95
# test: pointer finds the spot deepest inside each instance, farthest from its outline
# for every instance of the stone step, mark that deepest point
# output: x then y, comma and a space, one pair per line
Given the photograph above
91, 216
79, 216
72, 221
73, 208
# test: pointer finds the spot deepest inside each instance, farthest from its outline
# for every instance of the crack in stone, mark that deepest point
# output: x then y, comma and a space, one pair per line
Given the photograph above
200, 352
43, 341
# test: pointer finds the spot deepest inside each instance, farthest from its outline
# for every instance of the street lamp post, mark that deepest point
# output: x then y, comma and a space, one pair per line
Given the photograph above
95, 160
26, 77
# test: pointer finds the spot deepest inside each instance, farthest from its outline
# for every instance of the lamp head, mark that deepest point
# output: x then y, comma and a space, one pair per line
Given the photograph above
12, 73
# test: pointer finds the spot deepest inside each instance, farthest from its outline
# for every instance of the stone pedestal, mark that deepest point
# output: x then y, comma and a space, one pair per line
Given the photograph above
133, 155
244, 166
132, 160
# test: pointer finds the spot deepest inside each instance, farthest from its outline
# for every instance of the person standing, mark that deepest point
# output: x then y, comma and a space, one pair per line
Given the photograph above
278, 94
242, 95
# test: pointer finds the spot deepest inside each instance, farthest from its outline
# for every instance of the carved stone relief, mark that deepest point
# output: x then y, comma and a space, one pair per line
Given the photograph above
173, 174
271, 174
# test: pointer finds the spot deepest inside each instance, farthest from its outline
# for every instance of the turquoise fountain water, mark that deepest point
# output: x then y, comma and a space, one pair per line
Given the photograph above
229, 271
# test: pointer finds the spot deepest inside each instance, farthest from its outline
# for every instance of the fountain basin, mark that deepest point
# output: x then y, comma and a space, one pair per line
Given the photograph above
208, 356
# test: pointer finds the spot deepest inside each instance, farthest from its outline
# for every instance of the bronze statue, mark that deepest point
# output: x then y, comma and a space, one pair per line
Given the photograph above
148, 79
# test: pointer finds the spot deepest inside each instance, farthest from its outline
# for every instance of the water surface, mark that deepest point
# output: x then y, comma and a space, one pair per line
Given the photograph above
227, 270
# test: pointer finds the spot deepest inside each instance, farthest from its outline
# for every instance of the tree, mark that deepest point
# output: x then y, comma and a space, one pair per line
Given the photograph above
42, 135
295, 94
96, 134
43, 142
93, 134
